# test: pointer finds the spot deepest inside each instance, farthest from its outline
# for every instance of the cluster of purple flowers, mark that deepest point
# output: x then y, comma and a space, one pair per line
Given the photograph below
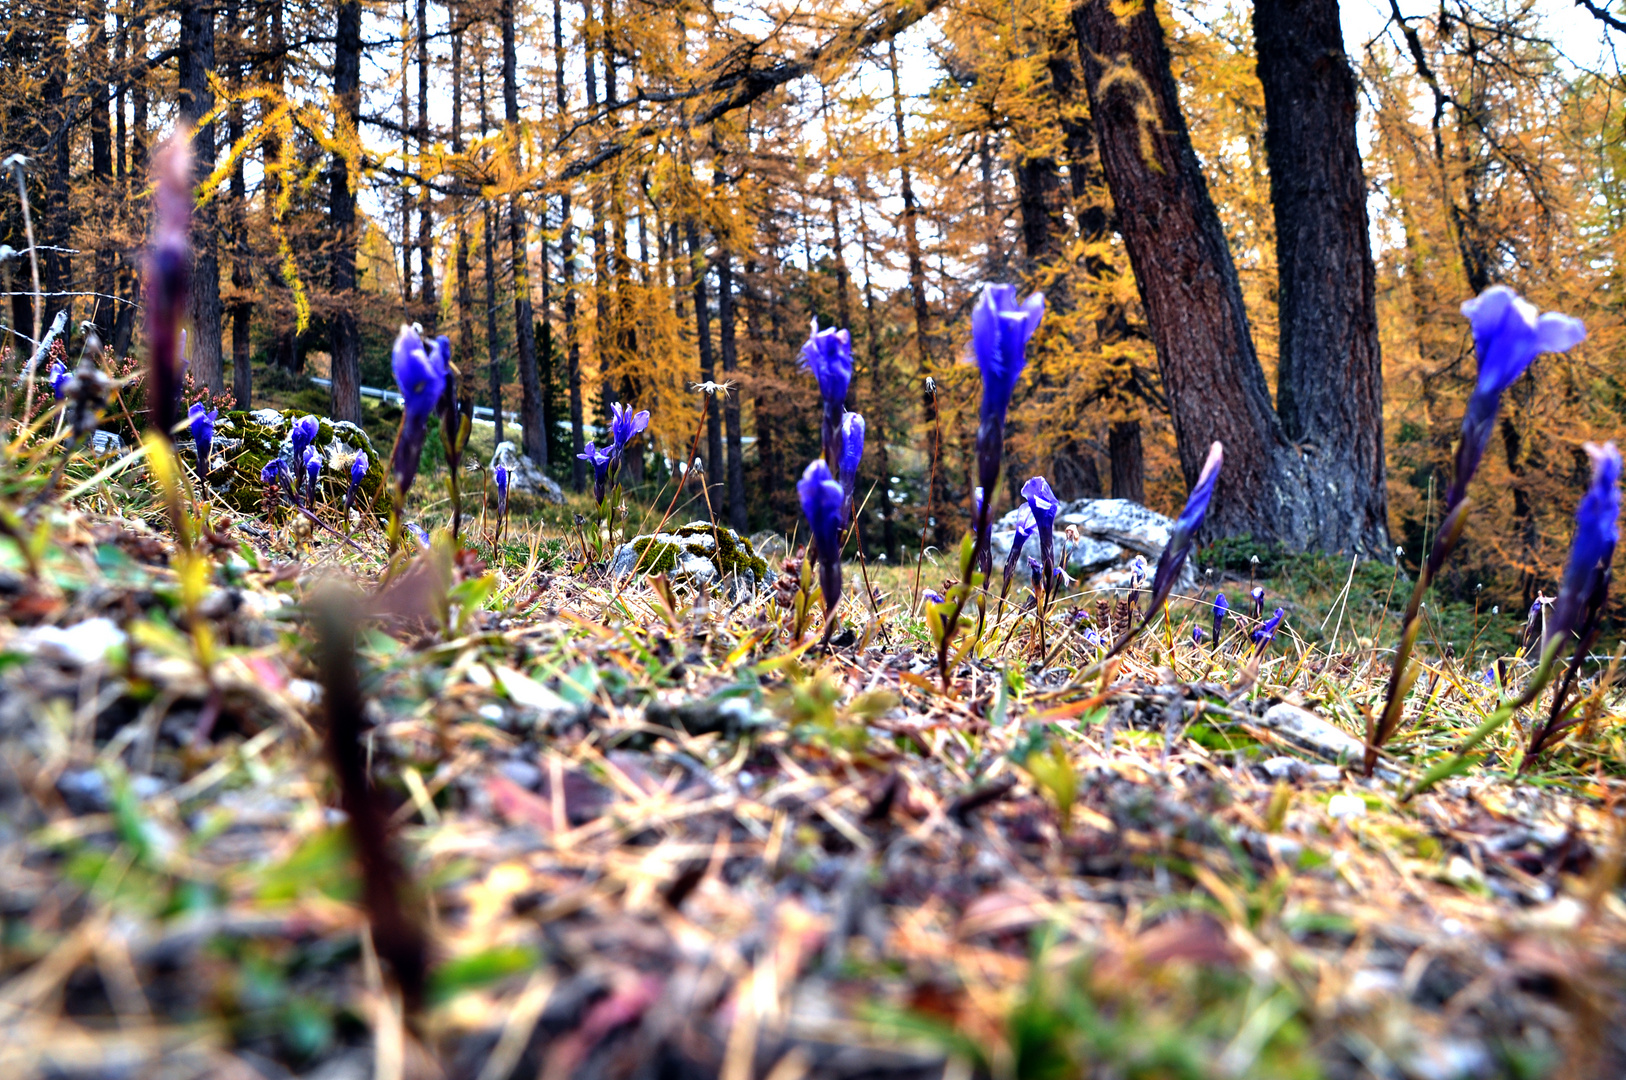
606, 461
828, 485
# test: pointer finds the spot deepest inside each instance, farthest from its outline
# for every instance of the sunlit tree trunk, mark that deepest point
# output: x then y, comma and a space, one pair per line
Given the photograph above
197, 62
1270, 488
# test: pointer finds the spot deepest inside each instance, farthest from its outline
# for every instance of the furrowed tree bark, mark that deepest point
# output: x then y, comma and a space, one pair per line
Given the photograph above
1270, 488
534, 437
346, 338
197, 62
567, 259
1329, 388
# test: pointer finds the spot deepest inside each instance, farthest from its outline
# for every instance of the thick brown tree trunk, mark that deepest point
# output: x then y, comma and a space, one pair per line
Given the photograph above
1270, 488
197, 61
1329, 388
534, 438
346, 337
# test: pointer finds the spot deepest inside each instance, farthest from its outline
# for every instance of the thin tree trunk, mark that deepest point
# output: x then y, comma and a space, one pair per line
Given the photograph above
567, 258
1329, 388
533, 437
879, 414
242, 306
101, 167
426, 207
1128, 472
55, 228
1193, 301
465, 299
197, 62
488, 232
407, 311
708, 366
346, 388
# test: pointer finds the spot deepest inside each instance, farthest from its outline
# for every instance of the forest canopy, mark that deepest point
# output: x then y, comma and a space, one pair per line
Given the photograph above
616, 201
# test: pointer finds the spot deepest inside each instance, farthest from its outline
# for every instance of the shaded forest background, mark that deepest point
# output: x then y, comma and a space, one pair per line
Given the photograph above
615, 200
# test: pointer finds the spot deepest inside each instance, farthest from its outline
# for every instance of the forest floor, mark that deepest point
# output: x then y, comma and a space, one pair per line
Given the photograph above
647, 834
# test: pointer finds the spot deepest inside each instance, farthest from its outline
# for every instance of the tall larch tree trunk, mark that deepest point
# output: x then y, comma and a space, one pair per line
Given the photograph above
426, 208
1329, 387
730, 358
403, 192
1270, 488
54, 227
136, 54
242, 302
534, 439
285, 339
197, 62
101, 168
567, 260
460, 257
346, 337
708, 363
488, 232
878, 421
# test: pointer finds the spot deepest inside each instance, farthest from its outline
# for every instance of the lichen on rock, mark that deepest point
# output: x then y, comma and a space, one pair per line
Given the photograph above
684, 551
246, 440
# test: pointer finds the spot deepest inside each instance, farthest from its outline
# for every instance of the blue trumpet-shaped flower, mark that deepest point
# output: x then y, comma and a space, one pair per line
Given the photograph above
1258, 598
1000, 330
1183, 537
313, 469
419, 534
600, 461
1222, 608
58, 374
1196, 635
358, 473
822, 506
272, 471
202, 423
1508, 334
1026, 526
1592, 552
421, 377
624, 424
852, 453
828, 354
1266, 630
304, 433
932, 596
1044, 505
500, 475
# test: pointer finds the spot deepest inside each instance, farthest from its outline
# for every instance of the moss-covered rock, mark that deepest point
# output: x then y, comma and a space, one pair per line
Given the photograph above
689, 552
245, 441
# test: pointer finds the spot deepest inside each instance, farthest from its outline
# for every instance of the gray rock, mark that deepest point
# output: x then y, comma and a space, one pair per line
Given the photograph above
691, 555
770, 545
106, 444
524, 475
1313, 733
1112, 533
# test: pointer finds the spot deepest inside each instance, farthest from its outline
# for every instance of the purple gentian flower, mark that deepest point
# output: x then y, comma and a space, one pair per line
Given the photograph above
821, 504
1196, 635
1592, 552
600, 460
313, 469
358, 473
304, 433
1036, 572
422, 381
932, 596
500, 474
1025, 528
1000, 330
202, 423
828, 354
1222, 608
1044, 504
1183, 537
271, 472
1258, 596
624, 424
169, 279
852, 453
420, 534
1267, 629
57, 373
1508, 335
